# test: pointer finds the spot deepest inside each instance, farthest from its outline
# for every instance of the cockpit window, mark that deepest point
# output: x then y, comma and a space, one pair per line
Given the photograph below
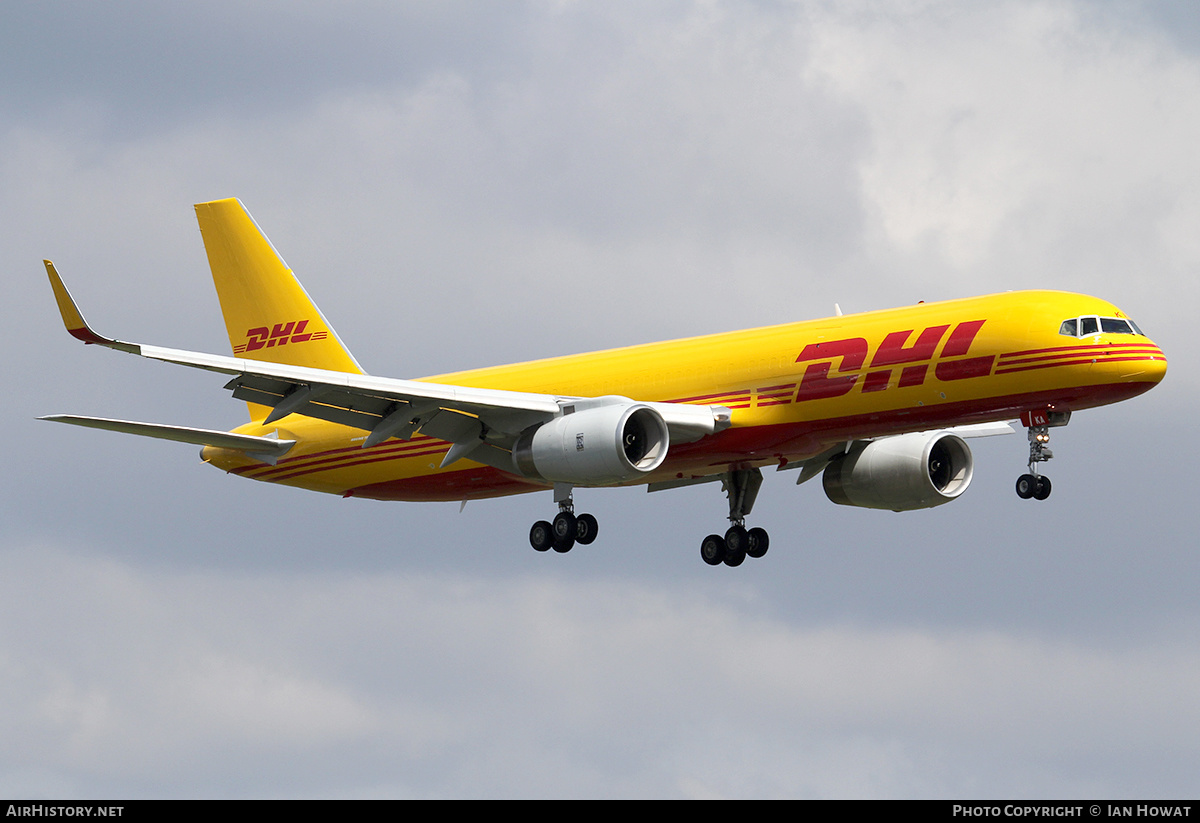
1084, 326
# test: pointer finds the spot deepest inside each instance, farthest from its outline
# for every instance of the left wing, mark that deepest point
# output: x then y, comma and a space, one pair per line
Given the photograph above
481, 423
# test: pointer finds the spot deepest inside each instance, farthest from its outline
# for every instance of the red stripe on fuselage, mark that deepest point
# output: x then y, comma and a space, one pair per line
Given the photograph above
1084, 347
767, 444
1071, 361
334, 458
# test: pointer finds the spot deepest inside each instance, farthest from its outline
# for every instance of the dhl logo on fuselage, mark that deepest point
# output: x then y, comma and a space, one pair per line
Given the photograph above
279, 335
913, 360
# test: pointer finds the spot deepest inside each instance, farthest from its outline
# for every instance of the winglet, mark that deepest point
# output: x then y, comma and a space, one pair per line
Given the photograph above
73, 318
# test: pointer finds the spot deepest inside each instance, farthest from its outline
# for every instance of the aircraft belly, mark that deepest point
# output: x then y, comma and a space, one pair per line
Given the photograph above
474, 483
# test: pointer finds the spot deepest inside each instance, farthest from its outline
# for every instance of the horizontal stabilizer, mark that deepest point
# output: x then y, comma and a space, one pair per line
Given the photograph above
267, 449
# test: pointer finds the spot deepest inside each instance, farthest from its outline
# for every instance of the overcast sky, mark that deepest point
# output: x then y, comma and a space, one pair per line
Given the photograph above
463, 184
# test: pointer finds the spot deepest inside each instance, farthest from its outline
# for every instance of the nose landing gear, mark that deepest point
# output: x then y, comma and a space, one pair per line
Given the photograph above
1039, 423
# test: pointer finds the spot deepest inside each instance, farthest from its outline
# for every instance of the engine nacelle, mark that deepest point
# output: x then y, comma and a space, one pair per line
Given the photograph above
596, 446
901, 473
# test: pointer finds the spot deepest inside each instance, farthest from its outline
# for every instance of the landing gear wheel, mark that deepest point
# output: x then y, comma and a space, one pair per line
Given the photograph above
737, 539
1027, 485
712, 550
759, 542
564, 527
1043, 488
586, 529
541, 536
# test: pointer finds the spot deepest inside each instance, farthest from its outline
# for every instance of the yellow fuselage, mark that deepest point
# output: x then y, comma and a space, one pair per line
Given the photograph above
794, 390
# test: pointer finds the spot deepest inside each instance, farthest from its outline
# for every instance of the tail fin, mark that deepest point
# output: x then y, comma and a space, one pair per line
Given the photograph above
268, 314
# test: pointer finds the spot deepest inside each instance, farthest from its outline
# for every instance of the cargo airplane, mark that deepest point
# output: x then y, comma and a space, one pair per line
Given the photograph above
877, 403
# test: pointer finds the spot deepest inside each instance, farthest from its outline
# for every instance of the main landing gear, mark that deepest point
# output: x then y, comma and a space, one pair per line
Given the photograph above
567, 528
1039, 423
741, 486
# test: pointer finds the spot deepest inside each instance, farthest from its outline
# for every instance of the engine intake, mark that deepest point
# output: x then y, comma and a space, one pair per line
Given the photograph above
597, 446
901, 473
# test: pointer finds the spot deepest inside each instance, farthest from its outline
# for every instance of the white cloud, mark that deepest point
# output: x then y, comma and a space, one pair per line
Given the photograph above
1018, 144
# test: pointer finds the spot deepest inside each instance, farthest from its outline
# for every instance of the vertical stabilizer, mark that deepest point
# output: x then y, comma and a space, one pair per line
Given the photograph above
268, 314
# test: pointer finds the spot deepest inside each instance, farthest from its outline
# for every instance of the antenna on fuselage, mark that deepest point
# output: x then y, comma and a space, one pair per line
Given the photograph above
837, 309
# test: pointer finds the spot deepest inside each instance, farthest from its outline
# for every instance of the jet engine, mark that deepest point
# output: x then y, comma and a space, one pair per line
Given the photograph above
901, 473
596, 446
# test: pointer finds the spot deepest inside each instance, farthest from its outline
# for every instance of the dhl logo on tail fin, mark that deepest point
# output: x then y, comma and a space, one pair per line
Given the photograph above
280, 335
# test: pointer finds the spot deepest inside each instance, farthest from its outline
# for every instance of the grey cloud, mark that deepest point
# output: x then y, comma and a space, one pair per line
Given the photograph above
458, 187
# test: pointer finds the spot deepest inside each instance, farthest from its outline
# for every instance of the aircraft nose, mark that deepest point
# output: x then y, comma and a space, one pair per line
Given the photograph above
1158, 366
1139, 363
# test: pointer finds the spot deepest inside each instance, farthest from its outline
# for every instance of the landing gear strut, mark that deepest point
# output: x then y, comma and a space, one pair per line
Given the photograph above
567, 528
741, 486
1039, 423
